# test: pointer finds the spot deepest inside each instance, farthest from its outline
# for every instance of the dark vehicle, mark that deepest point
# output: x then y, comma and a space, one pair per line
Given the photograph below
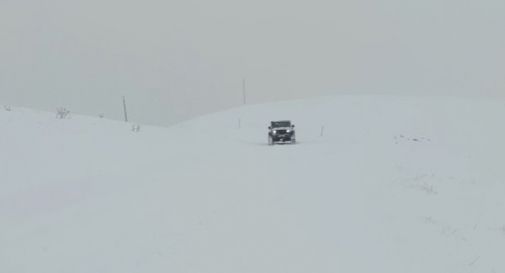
281, 132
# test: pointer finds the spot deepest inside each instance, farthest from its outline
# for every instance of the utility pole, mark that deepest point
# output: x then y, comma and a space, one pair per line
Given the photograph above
244, 95
124, 109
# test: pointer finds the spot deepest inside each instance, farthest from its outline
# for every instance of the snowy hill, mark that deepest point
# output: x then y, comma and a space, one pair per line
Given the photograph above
393, 185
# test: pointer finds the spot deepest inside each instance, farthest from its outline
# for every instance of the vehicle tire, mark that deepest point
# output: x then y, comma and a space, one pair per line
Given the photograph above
270, 140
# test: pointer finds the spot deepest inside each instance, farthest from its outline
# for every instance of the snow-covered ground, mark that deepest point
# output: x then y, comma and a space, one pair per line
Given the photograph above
394, 185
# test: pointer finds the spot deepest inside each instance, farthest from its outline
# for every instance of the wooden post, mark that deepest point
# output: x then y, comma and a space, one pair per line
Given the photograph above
125, 110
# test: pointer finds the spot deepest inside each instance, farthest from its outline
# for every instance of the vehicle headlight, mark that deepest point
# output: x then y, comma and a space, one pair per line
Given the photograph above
288, 131
275, 132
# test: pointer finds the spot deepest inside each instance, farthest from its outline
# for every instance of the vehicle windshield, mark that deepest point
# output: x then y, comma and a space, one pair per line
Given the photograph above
277, 124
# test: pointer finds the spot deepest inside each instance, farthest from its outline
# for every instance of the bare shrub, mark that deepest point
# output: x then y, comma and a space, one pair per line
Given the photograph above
136, 128
62, 113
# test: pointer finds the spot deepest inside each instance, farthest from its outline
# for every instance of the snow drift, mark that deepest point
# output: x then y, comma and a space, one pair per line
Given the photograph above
392, 185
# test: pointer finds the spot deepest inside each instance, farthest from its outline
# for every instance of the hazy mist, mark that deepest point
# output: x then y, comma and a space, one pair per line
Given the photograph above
180, 58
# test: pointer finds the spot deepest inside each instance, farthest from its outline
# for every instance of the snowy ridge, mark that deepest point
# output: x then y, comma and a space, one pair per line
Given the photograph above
393, 185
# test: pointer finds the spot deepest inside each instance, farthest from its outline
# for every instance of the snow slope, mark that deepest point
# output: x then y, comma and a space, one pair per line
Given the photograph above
394, 185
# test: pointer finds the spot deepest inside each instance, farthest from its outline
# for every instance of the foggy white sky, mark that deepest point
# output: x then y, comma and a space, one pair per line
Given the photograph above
179, 58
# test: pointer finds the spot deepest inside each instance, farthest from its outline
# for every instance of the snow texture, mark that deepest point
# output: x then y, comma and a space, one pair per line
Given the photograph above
393, 185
